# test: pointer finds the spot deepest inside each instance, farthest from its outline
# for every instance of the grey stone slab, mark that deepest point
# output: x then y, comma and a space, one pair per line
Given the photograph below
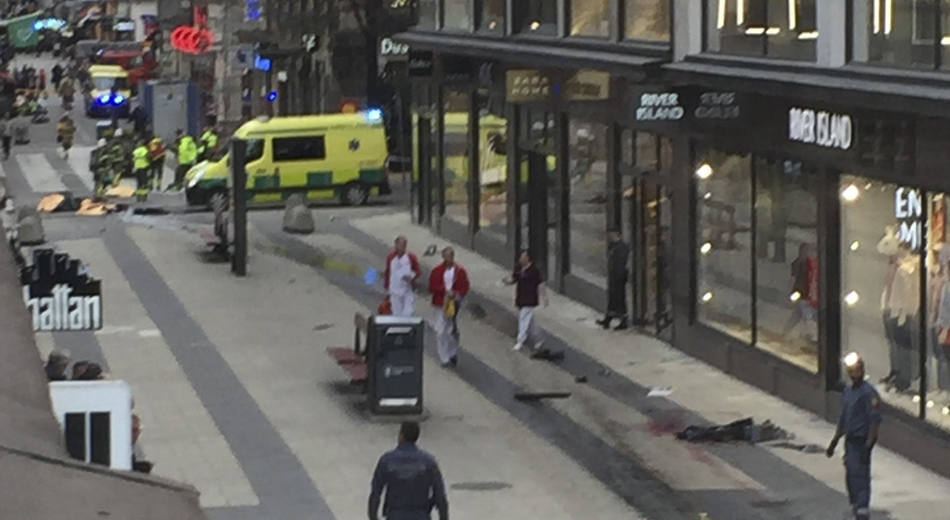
277, 476
70, 179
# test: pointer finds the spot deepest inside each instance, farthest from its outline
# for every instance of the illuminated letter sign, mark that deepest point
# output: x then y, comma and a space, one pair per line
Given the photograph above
196, 38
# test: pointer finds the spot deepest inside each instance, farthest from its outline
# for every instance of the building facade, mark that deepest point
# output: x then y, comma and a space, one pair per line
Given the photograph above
775, 165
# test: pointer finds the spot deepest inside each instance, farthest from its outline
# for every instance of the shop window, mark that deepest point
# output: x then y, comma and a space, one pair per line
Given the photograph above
457, 15
587, 163
885, 230
901, 33
771, 28
493, 16
647, 20
590, 18
535, 16
493, 152
455, 153
428, 15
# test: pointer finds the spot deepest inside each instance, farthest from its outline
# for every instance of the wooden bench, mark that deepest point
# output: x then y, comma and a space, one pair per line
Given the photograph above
353, 360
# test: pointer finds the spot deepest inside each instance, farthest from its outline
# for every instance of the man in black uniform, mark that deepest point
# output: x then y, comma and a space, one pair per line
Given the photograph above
617, 253
412, 481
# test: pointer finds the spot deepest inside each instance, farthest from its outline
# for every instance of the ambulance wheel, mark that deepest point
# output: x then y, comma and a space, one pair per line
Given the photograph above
354, 194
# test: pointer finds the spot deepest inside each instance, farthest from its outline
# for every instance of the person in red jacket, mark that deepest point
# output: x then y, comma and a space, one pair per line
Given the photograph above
402, 270
448, 283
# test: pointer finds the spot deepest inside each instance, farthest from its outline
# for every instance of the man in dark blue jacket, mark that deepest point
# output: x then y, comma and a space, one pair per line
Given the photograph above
412, 481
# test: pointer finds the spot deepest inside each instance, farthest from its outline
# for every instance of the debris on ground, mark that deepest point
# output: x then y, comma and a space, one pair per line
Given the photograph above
64, 201
660, 391
743, 430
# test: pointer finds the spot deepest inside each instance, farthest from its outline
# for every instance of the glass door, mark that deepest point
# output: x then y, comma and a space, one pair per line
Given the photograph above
649, 230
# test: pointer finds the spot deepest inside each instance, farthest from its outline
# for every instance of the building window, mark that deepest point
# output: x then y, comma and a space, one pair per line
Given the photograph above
493, 16
535, 16
457, 15
455, 153
587, 163
885, 230
902, 32
590, 18
647, 20
771, 28
428, 15
493, 169
757, 260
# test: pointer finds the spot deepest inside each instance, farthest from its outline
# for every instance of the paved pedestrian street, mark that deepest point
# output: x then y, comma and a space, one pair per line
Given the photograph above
239, 398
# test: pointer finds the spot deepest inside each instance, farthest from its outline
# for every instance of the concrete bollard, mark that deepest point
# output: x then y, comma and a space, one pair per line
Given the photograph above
30, 231
297, 216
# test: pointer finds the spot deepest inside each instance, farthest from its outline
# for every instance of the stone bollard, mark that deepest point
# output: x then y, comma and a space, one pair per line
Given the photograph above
30, 230
297, 216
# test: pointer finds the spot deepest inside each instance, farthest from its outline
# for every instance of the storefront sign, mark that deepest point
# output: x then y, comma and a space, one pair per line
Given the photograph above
420, 64
717, 106
125, 26
587, 85
527, 85
908, 210
59, 296
391, 50
821, 128
662, 106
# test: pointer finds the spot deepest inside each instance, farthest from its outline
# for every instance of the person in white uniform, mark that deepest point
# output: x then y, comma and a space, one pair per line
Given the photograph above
402, 270
448, 284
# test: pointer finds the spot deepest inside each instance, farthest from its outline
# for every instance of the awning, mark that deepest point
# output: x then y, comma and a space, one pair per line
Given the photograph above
855, 86
634, 62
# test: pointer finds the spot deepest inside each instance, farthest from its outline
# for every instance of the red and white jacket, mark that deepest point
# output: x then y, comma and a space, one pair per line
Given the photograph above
460, 285
396, 268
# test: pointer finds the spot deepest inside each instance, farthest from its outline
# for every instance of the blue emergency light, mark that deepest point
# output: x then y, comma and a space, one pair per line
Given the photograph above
107, 99
374, 115
272, 96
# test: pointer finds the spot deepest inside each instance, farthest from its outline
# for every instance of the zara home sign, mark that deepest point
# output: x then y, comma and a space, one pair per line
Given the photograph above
58, 295
821, 128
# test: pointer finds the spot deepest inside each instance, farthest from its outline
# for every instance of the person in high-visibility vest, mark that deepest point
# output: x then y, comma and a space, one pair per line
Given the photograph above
156, 155
141, 164
187, 151
117, 154
101, 166
209, 143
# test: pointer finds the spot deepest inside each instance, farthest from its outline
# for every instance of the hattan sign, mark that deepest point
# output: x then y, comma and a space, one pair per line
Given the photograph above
59, 296
825, 129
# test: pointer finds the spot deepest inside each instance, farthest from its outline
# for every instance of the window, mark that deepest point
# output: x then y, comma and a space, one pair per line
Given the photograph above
647, 20
107, 83
901, 32
772, 28
253, 151
493, 15
299, 148
885, 229
493, 177
455, 153
587, 163
535, 16
428, 15
590, 18
457, 15
757, 260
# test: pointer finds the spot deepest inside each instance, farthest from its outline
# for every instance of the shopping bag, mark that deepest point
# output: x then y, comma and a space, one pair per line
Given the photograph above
385, 307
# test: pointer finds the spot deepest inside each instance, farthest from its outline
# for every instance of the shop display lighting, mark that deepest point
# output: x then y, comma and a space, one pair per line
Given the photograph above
707, 297
808, 35
851, 298
534, 25
850, 193
795, 296
708, 195
704, 171
851, 359
855, 245
946, 410
705, 248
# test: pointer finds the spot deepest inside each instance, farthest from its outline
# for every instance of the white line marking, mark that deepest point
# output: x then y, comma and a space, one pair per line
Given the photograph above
79, 163
39, 173
150, 333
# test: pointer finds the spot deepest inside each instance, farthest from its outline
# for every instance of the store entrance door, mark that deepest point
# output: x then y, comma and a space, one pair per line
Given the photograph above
535, 221
649, 230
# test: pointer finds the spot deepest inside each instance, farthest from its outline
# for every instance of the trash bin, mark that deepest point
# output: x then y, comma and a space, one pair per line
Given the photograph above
394, 361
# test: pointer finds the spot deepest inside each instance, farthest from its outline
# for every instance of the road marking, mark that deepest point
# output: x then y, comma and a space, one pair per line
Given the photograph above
150, 333
39, 173
79, 163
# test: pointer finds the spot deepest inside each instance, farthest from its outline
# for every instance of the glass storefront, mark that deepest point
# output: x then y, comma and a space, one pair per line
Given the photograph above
757, 260
590, 18
587, 163
455, 152
535, 16
493, 16
770, 28
895, 269
493, 169
457, 14
901, 33
647, 20
428, 15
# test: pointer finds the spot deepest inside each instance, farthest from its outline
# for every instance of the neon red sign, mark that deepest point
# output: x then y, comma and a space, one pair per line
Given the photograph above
193, 39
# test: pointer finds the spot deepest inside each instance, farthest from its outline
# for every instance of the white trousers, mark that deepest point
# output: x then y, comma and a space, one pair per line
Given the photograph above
404, 305
448, 344
527, 328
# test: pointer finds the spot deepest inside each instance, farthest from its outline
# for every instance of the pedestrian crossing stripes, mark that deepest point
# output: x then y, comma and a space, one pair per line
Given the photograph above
39, 173
78, 162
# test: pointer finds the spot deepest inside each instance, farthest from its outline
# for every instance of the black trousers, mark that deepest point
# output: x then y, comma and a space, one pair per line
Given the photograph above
617, 298
6, 145
180, 173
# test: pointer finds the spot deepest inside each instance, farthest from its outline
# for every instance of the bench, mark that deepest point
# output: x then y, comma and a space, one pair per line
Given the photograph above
353, 360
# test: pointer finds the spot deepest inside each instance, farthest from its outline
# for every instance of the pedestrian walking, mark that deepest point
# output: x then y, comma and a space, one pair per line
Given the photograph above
402, 271
56, 365
187, 152
859, 423
6, 134
57, 75
412, 481
617, 254
448, 284
529, 290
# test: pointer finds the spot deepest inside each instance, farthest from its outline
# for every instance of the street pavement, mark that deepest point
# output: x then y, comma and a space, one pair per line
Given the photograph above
239, 399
